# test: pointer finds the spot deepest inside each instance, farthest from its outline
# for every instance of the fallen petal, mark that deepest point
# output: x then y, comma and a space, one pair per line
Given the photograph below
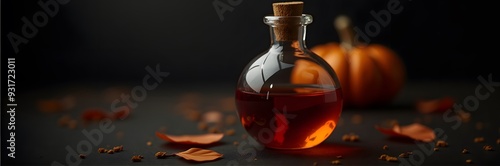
191, 139
435, 105
94, 114
418, 132
414, 131
198, 154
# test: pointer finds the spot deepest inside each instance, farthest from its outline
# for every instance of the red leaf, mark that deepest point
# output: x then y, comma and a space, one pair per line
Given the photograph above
94, 114
414, 131
435, 105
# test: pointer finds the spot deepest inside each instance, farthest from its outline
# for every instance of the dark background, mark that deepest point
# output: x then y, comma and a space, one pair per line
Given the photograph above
113, 41
108, 43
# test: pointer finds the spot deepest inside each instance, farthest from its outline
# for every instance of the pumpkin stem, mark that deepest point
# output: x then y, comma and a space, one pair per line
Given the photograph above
344, 27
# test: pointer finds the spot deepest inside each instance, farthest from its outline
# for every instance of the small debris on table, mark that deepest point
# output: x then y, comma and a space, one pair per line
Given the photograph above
404, 155
102, 150
118, 148
82, 156
388, 158
469, 161
350, 137
488, 147
385, 147
479, 139
382, 157
336, 162
161, 155
441, 143
137, 158
465, 151
391, 159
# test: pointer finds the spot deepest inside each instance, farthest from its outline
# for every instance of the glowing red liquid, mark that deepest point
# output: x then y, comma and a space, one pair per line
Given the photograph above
290, 120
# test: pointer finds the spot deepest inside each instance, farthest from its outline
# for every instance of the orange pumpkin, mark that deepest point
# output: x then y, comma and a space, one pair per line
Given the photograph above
369, 74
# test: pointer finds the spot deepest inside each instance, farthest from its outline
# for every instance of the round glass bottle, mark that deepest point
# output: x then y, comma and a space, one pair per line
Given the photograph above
288, 97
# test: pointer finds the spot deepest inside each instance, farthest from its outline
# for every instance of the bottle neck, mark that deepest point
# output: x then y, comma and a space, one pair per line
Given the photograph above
288, 36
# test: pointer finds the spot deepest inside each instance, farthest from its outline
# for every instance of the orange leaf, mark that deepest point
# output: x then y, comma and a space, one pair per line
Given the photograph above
435, 105
414, 131
191, 139
198, 154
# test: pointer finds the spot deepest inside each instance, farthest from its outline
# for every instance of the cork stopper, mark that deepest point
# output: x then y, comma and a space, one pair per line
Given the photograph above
288, 8
287, 32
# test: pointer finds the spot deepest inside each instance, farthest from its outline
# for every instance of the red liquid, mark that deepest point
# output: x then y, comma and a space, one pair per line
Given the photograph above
290, 120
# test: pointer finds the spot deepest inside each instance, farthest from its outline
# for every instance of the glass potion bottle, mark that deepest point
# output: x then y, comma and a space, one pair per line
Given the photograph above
288, 97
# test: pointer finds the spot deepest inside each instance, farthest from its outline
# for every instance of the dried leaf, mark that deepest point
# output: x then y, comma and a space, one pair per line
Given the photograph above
435, 105
414, 131
198, 154
191, 139
94, 114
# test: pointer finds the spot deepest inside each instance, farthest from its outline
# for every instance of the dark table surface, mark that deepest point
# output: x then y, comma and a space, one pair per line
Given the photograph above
41, 141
